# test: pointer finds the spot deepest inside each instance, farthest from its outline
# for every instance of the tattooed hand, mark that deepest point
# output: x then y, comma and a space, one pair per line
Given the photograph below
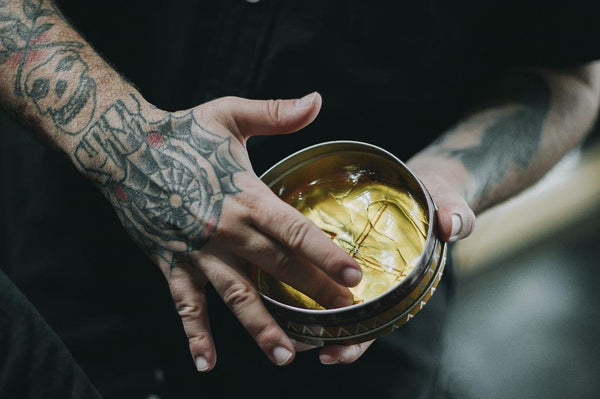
183, 187
181, 183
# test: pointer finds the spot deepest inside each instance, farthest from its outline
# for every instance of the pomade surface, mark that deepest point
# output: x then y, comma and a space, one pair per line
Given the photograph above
376, 221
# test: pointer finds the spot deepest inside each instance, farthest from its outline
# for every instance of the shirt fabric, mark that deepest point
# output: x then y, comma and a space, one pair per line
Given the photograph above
393, 76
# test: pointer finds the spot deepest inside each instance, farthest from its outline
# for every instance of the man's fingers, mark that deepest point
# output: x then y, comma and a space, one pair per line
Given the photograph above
340, 354
303, 347
456, 219
336, 354
243, 300
190, 300
284, 265
261, 117
455, 222
294, 231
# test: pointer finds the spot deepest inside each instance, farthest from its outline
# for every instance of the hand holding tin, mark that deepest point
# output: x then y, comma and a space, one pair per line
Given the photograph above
257, 227
370, 204
455, 217
183, 187
180, 182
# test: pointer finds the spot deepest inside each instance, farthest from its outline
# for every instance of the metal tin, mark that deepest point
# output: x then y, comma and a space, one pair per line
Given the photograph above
383, 313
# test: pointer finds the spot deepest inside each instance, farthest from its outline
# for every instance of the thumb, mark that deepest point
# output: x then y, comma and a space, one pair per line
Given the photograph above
455, 217
262, 117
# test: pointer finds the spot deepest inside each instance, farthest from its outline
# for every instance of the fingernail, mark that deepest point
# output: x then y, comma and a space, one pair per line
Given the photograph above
281, 355
351, 276
327, 359
456, 227
305, 101
201, 363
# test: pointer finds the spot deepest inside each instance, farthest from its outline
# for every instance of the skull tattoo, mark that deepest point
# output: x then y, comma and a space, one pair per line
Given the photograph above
61, 88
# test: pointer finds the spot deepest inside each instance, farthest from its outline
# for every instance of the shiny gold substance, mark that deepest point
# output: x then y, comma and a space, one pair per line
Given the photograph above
379, 223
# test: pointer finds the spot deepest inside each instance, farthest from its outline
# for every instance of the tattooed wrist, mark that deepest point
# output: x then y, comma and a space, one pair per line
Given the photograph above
48, 72
166, 175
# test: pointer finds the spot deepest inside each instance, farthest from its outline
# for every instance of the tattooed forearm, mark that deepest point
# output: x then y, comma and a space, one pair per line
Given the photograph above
165, 174
509, 140
47, 71
70, 100
167, 179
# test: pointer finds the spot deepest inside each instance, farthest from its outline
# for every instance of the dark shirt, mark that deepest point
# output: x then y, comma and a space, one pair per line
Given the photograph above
395, 76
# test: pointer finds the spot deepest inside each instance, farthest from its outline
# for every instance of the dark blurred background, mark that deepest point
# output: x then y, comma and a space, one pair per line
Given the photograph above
526, 318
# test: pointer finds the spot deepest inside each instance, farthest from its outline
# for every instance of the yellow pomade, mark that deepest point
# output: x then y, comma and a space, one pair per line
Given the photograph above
377, 222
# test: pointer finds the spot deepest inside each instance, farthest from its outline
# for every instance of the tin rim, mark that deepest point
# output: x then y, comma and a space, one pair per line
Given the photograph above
389, 324
387, 299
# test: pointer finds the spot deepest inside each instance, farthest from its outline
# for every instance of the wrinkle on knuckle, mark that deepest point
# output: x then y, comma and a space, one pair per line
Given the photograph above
237, 294
274, 110
296, 234
252, 204
188, 310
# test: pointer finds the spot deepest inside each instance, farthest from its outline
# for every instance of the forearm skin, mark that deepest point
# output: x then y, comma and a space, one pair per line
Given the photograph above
164, 173
50, 78
535, 117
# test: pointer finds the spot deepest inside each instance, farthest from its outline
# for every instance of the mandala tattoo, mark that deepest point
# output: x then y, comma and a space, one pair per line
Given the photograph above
167, 179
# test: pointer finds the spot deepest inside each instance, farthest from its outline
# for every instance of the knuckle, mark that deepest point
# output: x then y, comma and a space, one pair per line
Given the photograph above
223, 111
225, 101
200, 343
269, 336
238, 294
253, 202
296, 233
274, 110
284, 261
188, 310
